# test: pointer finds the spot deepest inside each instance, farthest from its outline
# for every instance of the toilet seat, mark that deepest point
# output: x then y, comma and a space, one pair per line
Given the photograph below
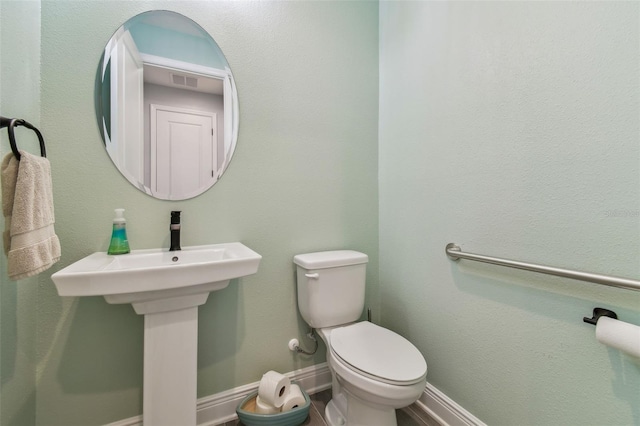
378, 353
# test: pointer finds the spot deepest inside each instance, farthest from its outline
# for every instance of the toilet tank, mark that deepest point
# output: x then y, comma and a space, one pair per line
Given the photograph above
331, 286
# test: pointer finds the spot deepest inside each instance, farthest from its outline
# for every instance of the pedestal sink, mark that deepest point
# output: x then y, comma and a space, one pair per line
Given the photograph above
166, 287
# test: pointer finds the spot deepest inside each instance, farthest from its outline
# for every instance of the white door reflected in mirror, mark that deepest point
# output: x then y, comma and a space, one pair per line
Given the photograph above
184, 151
167, 105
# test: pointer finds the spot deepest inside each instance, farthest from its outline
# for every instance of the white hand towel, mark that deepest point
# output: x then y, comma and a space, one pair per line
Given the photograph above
30, 242
9, 174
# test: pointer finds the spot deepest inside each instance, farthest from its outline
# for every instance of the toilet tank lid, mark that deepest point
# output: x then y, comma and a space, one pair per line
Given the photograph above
330, 259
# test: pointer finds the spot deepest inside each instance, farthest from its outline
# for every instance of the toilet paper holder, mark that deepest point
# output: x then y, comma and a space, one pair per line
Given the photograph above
599, 312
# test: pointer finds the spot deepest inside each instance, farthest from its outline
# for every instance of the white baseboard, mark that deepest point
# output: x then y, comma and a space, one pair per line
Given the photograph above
131, 421
221, 407
445, 410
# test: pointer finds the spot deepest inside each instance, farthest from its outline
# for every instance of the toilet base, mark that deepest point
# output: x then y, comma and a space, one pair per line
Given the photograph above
333, 416
337, 413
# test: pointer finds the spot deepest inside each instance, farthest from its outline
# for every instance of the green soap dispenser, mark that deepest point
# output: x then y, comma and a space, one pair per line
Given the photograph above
119, 243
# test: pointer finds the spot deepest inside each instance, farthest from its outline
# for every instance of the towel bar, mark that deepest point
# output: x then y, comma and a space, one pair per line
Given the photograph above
454, 252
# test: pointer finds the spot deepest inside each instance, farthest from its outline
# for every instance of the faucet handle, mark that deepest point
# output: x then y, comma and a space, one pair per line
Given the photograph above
175, 217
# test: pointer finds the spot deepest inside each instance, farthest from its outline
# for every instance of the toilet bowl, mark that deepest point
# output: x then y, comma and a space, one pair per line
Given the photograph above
374, 370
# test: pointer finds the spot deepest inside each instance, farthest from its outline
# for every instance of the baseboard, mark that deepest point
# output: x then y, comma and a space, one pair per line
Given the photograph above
221, 407
131, 421
444, 410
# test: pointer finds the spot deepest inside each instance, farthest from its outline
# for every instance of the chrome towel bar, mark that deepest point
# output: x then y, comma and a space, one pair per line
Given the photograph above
455, 253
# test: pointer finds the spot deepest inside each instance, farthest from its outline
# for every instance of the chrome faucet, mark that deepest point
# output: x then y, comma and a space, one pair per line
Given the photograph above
175, 231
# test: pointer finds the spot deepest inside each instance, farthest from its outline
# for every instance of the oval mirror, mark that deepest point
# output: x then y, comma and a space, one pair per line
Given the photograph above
167, 105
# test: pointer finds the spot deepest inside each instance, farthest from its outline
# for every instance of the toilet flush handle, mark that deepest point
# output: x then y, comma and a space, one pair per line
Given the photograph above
313, 276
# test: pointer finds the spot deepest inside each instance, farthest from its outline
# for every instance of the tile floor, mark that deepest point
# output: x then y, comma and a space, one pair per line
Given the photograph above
409, 416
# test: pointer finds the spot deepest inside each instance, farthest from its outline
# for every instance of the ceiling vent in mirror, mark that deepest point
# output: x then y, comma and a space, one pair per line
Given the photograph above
181, 80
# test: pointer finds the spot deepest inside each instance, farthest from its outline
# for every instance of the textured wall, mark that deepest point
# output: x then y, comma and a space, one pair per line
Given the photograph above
19, 97
512, 129
303, 179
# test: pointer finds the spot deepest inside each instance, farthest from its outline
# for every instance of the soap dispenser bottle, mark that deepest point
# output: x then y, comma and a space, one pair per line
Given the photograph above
119, 243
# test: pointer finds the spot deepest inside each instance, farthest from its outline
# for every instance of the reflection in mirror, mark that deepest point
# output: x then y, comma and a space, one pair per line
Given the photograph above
167, 105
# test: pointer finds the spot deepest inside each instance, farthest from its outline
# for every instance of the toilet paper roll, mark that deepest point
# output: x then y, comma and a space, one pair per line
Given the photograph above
294, 399
264, 407
273, 388
619, 334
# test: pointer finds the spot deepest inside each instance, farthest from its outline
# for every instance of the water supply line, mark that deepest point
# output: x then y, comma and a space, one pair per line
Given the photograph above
294, 344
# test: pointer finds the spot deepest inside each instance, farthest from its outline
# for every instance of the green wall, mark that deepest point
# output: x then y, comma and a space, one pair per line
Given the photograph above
303, 179
512, 129
19, 97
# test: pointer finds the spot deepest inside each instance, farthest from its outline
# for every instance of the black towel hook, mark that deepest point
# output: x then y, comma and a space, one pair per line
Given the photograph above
599, 312
10, 124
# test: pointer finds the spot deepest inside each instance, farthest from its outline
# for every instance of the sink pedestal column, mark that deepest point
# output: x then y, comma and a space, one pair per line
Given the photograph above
170, 361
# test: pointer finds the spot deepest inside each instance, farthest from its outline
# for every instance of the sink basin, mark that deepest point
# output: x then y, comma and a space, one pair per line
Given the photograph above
148, 275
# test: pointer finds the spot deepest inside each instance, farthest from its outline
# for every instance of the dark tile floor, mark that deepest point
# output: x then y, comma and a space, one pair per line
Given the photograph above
409, 416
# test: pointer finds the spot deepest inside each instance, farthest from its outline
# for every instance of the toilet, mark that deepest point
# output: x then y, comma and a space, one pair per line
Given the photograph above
374, 370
